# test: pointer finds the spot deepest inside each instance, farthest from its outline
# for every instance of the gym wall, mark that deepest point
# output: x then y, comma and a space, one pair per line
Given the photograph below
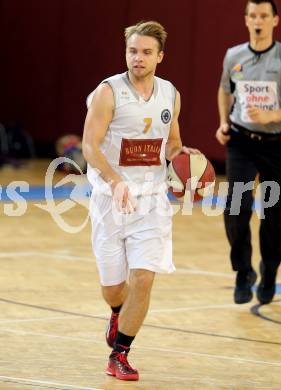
55, 52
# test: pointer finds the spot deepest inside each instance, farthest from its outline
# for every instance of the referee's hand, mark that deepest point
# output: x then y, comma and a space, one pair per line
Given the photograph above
222, 134
262, 117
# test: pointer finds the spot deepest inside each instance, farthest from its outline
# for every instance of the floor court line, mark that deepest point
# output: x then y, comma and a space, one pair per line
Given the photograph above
59, 255
67, 257
205, 273
206, 355
153, 349
105, 315
54, 336
38, 382
81, 315
145, 325
16, 321
191, 308
47, 254
162, 328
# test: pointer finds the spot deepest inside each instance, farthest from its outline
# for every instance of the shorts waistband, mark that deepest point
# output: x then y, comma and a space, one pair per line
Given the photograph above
256, 135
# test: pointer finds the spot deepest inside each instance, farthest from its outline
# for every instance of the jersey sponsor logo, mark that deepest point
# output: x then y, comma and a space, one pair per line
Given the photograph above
140, 152
260, 94
166, 116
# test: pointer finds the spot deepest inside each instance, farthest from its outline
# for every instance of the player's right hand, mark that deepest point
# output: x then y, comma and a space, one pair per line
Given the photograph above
123, 200
222, 134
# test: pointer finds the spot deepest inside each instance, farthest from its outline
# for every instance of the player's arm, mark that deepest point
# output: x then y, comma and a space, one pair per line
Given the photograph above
98, 118
225, 102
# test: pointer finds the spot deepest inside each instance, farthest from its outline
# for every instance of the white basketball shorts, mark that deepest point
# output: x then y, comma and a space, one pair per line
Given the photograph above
142, 240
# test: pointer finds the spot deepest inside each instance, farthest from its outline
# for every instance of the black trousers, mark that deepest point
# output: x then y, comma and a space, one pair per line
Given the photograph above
245, 158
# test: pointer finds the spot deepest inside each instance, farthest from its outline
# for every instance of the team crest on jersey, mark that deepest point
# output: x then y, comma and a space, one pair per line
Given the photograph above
166, 116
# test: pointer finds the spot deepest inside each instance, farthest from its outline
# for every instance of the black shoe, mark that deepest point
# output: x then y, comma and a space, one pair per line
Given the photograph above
244, 283
266, 287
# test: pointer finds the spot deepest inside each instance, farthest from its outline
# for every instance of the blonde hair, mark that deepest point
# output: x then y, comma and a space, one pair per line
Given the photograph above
151, 29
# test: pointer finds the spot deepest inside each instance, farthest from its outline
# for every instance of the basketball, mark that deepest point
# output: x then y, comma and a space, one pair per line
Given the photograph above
192, 172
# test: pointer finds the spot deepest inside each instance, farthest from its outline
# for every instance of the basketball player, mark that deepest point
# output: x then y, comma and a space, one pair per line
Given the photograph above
249, 101
131, 126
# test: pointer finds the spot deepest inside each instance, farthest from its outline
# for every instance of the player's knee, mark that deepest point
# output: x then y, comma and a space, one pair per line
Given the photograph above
142, 279
112, 292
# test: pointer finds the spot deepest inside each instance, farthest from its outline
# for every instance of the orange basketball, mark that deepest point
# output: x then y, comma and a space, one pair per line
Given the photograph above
192, 172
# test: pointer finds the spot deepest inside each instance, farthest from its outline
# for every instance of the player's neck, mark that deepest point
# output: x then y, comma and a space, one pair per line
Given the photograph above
143, 85
261, 44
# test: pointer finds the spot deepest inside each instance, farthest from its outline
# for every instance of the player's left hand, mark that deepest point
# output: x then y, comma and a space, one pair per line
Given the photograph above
184, 149
187, 150
257, 115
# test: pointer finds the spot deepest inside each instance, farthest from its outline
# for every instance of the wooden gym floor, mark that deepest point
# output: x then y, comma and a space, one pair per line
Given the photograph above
52, 317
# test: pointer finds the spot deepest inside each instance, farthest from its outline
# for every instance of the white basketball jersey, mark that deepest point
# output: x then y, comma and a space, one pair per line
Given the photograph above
134, 144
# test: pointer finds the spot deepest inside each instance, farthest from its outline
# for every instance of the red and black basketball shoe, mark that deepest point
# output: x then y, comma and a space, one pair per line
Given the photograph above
112, 329
119, 367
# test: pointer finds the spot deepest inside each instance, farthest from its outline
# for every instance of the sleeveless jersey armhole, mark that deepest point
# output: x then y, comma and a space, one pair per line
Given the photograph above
174, 92
113, 91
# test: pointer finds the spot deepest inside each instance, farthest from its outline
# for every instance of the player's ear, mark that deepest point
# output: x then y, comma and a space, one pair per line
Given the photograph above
160, 56
276, 20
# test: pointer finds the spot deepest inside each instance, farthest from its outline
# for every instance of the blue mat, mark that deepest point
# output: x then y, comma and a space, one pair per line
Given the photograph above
36, 193
42, 193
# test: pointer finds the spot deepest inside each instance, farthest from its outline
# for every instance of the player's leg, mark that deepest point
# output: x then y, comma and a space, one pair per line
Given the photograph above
109, 250
137, 302
270, 227
131, 318
240, 170
114, 297
148, 250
